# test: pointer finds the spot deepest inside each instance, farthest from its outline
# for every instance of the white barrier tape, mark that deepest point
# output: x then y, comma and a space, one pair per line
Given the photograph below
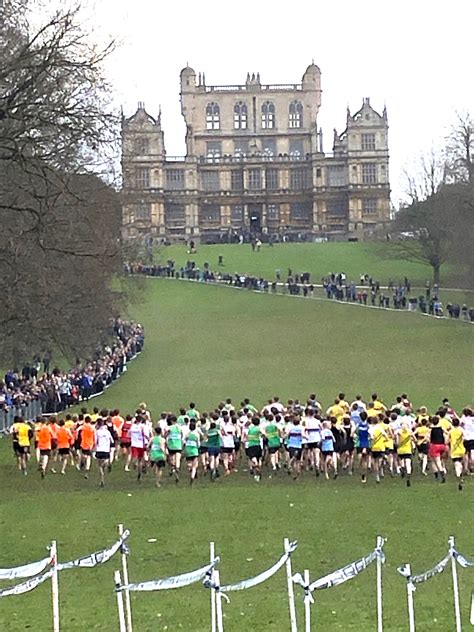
341, 575
169, 583
99, 557
461, 560
253, 581
28, 570
423, 577
30, 584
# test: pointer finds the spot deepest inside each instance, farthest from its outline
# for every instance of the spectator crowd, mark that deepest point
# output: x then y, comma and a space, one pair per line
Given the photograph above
56, 389
369, 291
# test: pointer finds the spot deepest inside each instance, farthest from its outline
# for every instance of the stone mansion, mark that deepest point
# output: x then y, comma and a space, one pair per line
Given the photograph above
255, 166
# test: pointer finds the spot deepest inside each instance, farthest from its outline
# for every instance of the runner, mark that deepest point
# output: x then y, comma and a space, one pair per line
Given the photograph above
65, 440
22, 435
363, 444
104, 442
228, 442
378, 438
126, 441
328, 449
117, 421
405, 440
312, 426
294, 432
139, 441
457, 450
254, 448
272, 433
191, 450
87, 440
348, 445
157, 450
214, 442
467, 424
422, 435
438, 449
174, 442
45, 438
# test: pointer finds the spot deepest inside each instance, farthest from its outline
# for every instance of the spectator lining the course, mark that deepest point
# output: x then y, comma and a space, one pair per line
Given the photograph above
58, 390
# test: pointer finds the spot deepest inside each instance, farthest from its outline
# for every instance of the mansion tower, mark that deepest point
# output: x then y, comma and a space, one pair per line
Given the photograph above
255, 165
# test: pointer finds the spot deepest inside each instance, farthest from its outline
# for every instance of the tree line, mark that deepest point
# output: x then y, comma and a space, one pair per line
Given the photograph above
59, 243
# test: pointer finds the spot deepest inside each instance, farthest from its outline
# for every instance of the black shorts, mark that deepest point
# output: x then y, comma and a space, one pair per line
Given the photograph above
64, 451
390, 450
159, 464
273, 450
404, 456
191, 458
54, 444
327, 452
16, 448
174, 451
313, 445
203, 449
457, 459
423, 448
125, 444
362, 450
102, 456
469, 444
237, 445
377, 454
86, 452
227, 450
23, 449
45, 452
254, 452
296, 453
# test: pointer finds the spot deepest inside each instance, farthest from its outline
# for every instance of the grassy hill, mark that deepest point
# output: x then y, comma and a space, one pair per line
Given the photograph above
204, 343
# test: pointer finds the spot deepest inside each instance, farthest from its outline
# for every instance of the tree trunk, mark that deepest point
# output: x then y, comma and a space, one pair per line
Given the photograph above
436, 273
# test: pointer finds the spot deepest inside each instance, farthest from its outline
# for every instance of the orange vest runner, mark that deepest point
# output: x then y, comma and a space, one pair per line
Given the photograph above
63, 437
44, 438
118, 423
87, 437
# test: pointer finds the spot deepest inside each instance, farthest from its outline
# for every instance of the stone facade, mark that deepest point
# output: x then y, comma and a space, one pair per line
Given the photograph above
255, 165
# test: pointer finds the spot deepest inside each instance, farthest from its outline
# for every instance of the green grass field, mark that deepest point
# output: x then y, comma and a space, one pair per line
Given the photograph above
205, 343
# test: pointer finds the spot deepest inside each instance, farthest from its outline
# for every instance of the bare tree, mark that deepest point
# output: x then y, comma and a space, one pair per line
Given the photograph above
59, 243
459, 149
425, 175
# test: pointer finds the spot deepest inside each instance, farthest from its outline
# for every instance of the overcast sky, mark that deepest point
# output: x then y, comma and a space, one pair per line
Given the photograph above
415, 56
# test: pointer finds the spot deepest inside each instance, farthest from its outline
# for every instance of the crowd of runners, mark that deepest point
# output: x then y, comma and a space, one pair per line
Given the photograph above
347, 438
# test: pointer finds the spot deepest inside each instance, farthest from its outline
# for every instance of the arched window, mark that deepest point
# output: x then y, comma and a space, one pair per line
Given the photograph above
240, 115
212, 116
295, 115
268, 115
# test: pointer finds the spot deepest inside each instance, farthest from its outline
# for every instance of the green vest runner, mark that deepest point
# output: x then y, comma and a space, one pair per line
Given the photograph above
191, 445
156, 451
213, 438
273, 436
174, 439
254, 434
